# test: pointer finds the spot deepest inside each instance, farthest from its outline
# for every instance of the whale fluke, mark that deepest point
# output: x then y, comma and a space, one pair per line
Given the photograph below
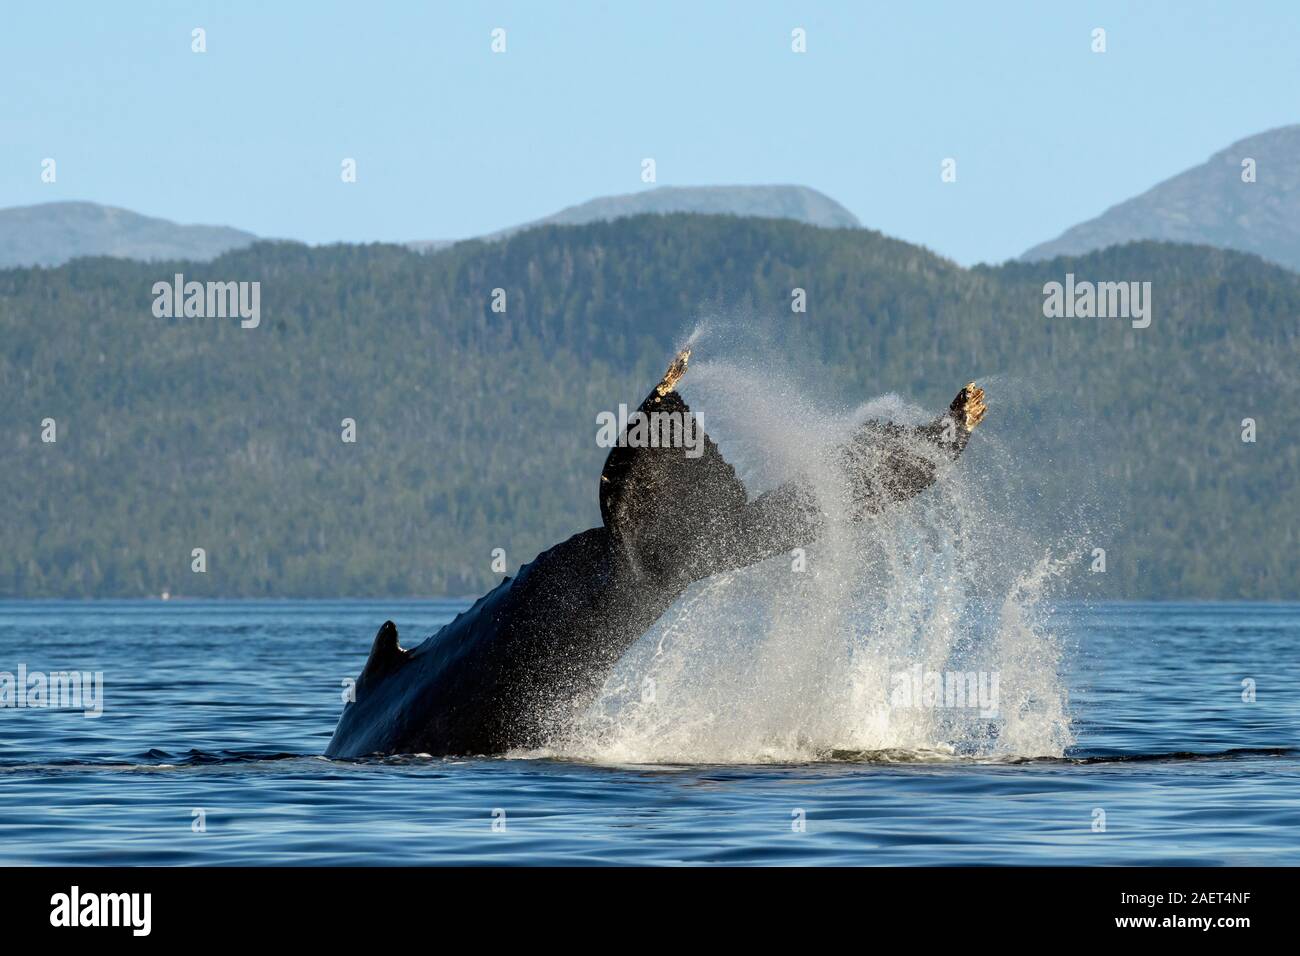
666, 487
504, 674
891, 463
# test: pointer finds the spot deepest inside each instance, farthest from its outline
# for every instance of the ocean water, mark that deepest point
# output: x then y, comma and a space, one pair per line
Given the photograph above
1141, 749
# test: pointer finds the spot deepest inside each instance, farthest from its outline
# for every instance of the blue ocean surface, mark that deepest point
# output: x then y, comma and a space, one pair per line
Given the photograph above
214, 716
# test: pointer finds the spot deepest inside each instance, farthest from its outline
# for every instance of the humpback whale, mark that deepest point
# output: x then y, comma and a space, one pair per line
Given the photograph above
504, 674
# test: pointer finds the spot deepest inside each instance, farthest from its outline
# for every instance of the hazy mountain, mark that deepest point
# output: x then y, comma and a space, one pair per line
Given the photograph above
52, 233
476, 429
762, 202
1209, 205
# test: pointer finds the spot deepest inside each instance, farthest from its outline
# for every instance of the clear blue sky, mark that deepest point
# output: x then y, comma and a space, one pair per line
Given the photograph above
452, 140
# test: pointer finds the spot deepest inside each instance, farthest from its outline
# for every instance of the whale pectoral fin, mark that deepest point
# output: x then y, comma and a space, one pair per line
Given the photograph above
665, 487
385, 654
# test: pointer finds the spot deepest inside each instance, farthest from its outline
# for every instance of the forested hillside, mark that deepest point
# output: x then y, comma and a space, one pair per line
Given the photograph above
476, 429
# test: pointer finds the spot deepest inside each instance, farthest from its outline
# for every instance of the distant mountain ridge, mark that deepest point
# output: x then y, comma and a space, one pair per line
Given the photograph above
50, 234
1209, 204
799, 203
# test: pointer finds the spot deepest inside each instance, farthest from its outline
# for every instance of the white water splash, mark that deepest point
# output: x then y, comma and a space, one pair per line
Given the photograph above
776, 664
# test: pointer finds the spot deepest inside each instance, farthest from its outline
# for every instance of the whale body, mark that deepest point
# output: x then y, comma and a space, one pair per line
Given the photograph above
510, 671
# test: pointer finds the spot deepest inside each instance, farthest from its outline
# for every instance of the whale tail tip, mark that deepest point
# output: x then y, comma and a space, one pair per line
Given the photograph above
970, 402
674, 374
